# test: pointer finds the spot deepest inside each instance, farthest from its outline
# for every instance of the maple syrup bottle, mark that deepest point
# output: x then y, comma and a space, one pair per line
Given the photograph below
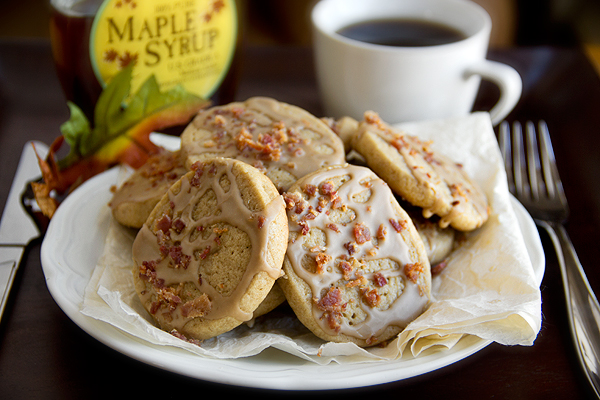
192, 43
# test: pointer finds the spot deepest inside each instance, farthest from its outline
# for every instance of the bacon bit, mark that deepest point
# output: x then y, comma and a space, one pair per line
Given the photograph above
362, 234
261, 221
304, 226
333, 227
198, 307
267, 147
346, 268
243, 139
290, 200
371, 297
164, 223
332, 307
351, 247
323, 201
359, 281
178, 225
379, 279
205, 253
399, 226
198, 168
437, 269
372, 252
154, 307
237, 112
399, 142
336, 202
220, 120
413, 271
294, 201
381, 232
327, 188
309, 189
170, 296
181, 260
209, 143
322, 259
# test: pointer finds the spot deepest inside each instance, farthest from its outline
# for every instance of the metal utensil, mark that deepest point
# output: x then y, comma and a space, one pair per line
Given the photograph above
17, 229
533, 178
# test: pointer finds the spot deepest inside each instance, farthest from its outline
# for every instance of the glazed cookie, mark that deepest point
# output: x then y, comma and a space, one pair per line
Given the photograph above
355, 269
421, 176
283, 141
211, 249
133, 201
345, 128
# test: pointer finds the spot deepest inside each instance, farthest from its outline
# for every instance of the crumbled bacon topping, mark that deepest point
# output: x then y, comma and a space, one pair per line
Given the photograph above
398, 226
362, 234
178, 225
333, 227
351, 247
198, 307
309, 189
332, 307
381, 232
379, 279
322, 259
413, 271
180, 260
371, 297
198, 168
346, 268
163, 224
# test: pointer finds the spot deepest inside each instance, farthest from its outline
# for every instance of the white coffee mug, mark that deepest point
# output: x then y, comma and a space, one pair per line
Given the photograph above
407, 83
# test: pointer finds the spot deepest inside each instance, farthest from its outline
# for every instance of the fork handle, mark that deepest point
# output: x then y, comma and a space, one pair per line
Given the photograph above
582, 305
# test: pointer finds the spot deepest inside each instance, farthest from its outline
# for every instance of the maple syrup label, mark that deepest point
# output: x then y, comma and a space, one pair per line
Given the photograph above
187, 42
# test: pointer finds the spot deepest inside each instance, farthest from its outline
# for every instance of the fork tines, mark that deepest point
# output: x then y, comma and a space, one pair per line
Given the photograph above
529, 160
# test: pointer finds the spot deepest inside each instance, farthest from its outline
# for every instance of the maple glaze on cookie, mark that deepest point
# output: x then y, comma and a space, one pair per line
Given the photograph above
211, 250
284, 141
134, 200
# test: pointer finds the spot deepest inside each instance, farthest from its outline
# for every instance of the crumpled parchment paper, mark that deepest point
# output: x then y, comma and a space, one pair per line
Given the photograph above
489, 288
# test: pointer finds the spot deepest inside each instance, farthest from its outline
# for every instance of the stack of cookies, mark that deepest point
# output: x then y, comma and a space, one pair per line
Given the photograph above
261, 206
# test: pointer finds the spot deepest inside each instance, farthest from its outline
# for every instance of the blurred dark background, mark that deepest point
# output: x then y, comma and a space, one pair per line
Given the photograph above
516, 22
287, 22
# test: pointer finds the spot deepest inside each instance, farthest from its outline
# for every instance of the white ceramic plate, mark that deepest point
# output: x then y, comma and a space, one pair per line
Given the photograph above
73, 244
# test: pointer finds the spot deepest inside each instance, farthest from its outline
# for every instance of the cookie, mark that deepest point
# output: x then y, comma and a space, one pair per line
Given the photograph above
355, 269
345, 128
211, 250
439, 242
136, 197
423, 177
283, 141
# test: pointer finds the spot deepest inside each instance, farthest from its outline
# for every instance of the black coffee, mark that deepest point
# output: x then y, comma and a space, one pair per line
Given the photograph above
402, 33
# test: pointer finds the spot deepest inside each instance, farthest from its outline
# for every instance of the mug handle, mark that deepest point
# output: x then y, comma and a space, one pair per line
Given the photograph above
507, 79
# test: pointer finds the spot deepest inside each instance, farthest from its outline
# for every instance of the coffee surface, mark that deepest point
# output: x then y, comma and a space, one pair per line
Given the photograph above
402, 33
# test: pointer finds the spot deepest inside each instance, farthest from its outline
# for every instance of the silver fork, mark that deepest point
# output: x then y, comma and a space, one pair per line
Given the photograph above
533, 178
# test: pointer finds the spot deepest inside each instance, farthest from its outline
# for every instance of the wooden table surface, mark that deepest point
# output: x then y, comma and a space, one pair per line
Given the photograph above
43, 354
